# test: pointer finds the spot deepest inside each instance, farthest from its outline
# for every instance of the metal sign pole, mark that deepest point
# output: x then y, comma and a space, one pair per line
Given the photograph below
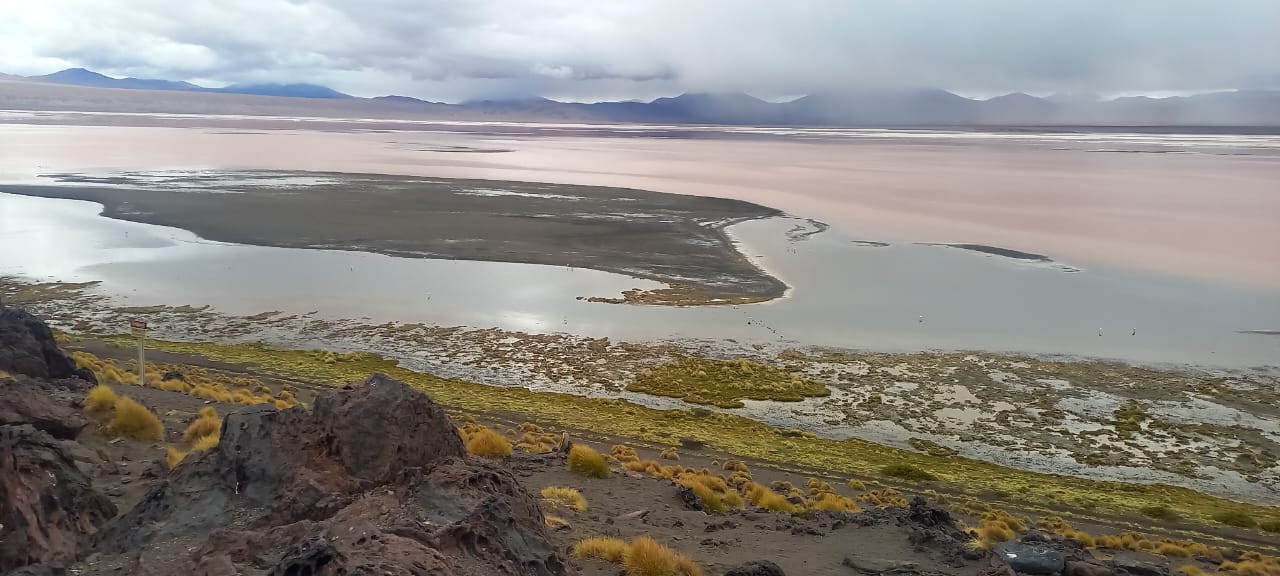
140, 329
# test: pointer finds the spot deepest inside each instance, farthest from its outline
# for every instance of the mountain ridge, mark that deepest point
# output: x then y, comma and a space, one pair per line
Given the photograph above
853, 108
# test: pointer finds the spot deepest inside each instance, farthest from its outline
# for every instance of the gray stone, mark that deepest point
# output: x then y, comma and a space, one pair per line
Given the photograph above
873, 566
1026, 558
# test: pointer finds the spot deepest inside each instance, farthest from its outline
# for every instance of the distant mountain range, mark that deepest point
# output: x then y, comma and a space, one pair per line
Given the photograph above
857, 108
82, 77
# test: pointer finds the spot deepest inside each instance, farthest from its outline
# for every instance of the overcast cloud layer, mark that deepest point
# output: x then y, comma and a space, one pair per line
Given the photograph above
612, 49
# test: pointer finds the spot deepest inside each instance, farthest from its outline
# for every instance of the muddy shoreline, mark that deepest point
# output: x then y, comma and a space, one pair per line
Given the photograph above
669, 238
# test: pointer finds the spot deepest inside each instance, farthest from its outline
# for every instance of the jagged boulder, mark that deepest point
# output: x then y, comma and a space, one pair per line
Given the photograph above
49, 406
27, 347
48, 509
373, 480
932, 528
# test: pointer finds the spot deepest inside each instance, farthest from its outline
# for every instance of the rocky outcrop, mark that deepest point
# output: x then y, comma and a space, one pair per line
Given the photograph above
27, 347
373, 480
49, 406
757, 568
48, 510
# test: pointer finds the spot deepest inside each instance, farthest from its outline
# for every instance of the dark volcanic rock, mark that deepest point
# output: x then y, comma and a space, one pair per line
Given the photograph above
27, 347
1026, 558
757, 568
1140, 564
47, 406
373, 480
932, 528
48, 510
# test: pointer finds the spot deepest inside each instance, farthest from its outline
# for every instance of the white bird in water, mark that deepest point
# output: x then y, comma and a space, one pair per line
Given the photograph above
1099, 331
921, 320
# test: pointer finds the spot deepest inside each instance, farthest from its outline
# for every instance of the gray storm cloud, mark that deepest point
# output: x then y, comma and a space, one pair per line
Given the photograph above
614, 49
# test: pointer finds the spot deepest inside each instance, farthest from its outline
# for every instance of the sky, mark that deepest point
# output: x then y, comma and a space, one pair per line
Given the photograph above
456, 50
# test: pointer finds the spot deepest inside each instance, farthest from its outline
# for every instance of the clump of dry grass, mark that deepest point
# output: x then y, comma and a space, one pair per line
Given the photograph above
487, 443
100, 400
205, 443
646, 557
884, 498
817, 487
585, 461
1172, 550
623, 453
207, 424
669, 454
133, 420
762, 496
995, 527
196, 381
566, 497
553, 521
607, 549
735, 466
857, 485
712, 490
172, 456
831, 501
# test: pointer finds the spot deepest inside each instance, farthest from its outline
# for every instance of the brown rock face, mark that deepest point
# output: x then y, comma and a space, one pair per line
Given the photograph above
373, 480
48, 406
27, 347
48, 510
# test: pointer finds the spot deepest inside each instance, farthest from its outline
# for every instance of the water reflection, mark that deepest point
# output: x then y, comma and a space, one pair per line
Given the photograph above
845, 293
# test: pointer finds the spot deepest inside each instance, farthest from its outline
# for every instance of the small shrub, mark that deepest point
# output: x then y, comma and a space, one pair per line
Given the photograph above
908, 472
567, 497
133, 420
623, 453
1159, 512
1234, 518
762, 496
172, 456
100, 399
712, 490
735, 466
489, 444
646, 557
208, 424
669, 454
1270, 525
607, 549
585, 461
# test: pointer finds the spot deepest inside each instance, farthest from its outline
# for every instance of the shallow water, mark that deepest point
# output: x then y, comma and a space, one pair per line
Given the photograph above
844, 294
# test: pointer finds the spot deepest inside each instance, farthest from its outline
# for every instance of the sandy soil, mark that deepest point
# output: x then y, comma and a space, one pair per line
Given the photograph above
1208, 213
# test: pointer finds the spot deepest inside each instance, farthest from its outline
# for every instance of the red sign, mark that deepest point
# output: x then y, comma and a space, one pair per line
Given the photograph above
138, 324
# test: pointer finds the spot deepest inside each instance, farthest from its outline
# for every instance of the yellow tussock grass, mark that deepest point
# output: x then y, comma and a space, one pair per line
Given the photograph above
736, 465
646, 557
817, 487
829, 501
585, 461
857, 485
100, 399
488, 444
1172, 550
669, 454
1191, 570
205, 443
133, 420
607, 549
172, 456
762, 496
553, 521
623, 453
208, 424
564, 496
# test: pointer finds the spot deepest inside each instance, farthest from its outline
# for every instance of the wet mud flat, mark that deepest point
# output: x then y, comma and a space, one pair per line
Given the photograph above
675, 239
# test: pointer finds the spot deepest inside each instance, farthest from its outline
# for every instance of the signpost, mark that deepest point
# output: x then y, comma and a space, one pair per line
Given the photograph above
139, 327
